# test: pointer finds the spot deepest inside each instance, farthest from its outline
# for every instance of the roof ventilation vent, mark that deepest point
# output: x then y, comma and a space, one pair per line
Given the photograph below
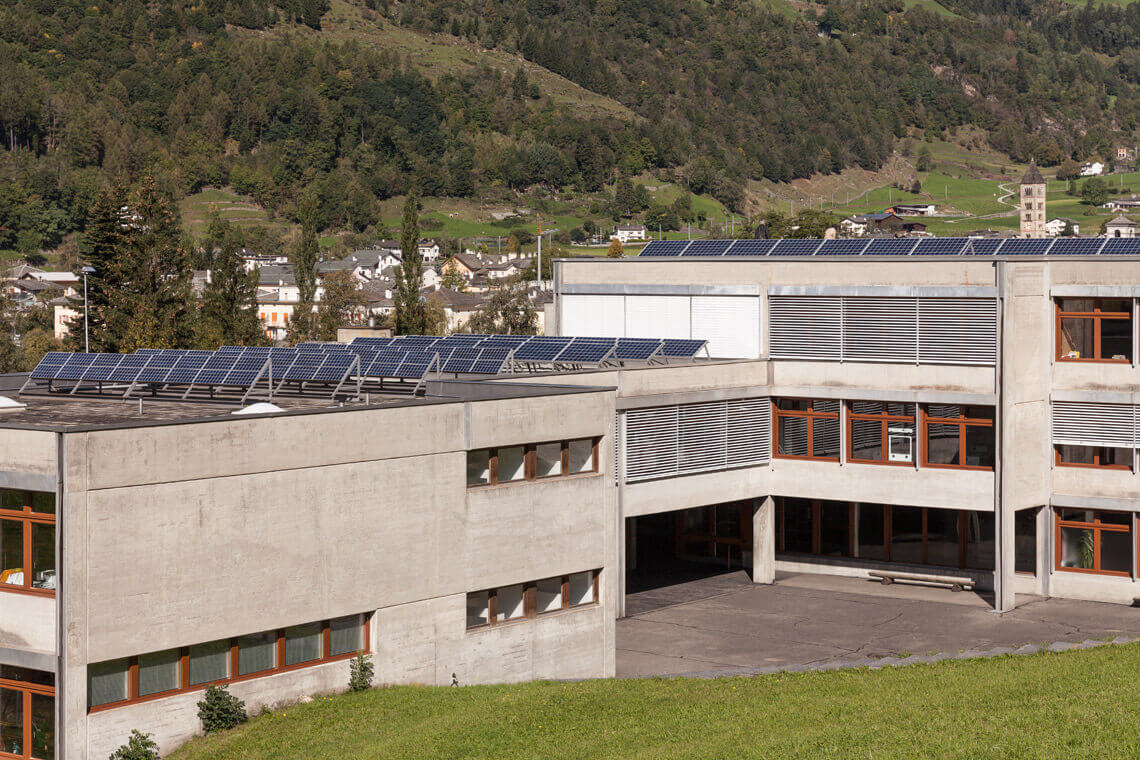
260, 407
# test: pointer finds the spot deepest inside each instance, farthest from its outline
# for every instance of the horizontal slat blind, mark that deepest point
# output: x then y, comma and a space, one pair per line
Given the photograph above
690, 438
890, 329
1084, 424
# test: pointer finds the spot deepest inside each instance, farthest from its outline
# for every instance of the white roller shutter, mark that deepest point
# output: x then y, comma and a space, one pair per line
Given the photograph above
1083, 424
731, 325
657, 316
805, 327
593, 316
957, 330
880, 329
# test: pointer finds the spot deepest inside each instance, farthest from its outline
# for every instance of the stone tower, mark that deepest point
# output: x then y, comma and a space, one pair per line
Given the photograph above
1032, 211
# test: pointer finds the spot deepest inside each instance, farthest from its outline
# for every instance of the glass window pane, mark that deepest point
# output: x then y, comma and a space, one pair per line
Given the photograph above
1076, 515
1077, 338
209, 662
548, 460
43, 502
43, 556
835, 529
870, 519
825, 437
1116, 551
158, 672
582, 455
866, 440
346, 635
43, 727
906, 534
11, 721
13, 500
1116, 339
11, 552
797, 526
476, 609
511, 460
1025, 541
793, 404
1077, 548
548, 595
979, 446
41, 677
302, 643
581, 589
942, 537
980, 529
1114, 518
257, 652
942, 444
106, 682
510, 601
793, 436
478, 467
1077, 454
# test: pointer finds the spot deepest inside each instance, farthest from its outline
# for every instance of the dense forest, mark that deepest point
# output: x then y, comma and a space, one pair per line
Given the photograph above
252, 94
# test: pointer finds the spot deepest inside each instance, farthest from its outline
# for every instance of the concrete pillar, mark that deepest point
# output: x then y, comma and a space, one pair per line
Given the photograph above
764, 540
1044, 549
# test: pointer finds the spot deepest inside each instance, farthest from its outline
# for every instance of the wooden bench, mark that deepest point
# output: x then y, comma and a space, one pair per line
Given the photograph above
887, 577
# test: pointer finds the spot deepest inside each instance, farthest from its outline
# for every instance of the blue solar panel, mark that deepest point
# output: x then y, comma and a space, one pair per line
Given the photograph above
846, 247
1121, 247
230, 350
1026, 247
462, 360
414, 341
186, 369
150, 350
637, 348
49, 365
490, 361
664, 248
984, 246
370, 342
750, 248
311, 347
588, 350
505, 341
246, 370
129, 368
414, 366
157, 368
541, 349
681, 348
1075, 246
385, 364
795, 247
336, 365
707, 248
75, 366
940, 246
102, 367
304, 367
460, 341
889, 247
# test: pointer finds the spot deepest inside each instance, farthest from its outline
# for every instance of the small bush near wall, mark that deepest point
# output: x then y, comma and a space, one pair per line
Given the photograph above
220, 710
360, 672
138, 747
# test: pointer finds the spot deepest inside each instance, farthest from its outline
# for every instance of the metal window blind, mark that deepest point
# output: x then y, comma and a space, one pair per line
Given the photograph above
690, 438
957, 330
880, 329
1092, 424
805, 327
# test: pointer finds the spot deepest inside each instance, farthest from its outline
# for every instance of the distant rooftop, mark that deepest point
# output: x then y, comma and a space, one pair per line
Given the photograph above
889, 247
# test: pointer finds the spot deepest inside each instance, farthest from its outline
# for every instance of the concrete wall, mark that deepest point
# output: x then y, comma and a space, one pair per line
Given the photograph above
881, 484
27, 622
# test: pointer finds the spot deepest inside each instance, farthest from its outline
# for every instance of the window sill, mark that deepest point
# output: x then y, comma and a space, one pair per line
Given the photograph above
832, 460
1069, 360
516, 483
532, 618
25, 591
1101, 573
1114, 467
874, 463
966, 468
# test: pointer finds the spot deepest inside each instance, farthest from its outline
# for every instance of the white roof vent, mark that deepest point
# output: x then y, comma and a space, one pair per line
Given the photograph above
261, 407
10, 405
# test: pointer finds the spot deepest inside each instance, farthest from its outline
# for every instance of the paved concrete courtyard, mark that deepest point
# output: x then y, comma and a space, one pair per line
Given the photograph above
726, 624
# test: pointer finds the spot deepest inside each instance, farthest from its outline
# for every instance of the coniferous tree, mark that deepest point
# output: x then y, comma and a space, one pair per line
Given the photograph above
302, 326
228, 311
409, 300
101, 245
341, 298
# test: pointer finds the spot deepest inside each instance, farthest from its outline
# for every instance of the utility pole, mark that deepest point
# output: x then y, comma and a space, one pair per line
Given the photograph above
538, 266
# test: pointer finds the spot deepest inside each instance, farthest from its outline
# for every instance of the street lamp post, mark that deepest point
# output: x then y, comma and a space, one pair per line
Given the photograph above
86, 334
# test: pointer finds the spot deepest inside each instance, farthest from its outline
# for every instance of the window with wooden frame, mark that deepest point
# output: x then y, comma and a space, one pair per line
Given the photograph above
533, 461
880, 433
1094, 542
1094, 329
174, 671
806, 429
1101, 457
507, 604
958, 436
27, 542
27, 714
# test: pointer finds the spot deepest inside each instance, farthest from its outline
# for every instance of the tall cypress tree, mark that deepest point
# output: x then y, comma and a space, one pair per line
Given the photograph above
107, 228
302, 326
228, 309
411, 315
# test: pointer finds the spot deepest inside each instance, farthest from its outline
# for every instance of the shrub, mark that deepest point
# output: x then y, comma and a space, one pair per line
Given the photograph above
138, 747
220, 710
360, 672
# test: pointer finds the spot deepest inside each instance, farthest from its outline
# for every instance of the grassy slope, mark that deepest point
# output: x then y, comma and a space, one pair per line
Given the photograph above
1073, 705
244, 212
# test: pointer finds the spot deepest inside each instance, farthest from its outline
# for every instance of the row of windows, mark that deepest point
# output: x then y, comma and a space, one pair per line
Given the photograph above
535, 461
527, 600
158, 674
27, 714
884, 432
27, 542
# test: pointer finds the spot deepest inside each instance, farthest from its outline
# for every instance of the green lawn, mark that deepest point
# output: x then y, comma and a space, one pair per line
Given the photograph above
1057, 706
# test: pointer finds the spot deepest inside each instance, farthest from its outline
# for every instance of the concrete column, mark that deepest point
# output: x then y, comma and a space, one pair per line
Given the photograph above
1044, 549
764, 540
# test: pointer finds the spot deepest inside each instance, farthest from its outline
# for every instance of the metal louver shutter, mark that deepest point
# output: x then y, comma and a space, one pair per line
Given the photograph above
657, 316
650, 443
617, 448
880, 329
805, 327
731, 325
1083, 424
957, 330
703, 437
749, 431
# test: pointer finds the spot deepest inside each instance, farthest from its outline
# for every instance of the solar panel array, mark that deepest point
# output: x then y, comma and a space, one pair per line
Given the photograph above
954, 246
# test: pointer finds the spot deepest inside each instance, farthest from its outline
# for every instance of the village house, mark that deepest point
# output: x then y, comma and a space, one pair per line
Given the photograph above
628, 233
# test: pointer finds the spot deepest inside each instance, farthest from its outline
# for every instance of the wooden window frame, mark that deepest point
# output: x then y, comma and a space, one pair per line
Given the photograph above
26, 690
185, 687
886, 420
1097, 316
811, 416
1095, 464
27, 518
530, 601
1097, 527
962, 422
530, 462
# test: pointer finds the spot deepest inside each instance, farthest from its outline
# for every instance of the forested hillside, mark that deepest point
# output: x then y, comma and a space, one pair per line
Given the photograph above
262, 96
